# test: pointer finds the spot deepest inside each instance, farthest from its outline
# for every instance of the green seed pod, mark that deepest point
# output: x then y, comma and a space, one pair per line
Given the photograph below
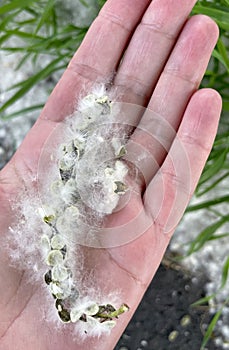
57, 242
121, 152
45, 245
92, 322
92, 309
75, 315
56, 290
56, 187
102, 100
71, 213
120, 187
109, 171
67, 162
54, 257
59, 273
173, 335
110, 308
49, 219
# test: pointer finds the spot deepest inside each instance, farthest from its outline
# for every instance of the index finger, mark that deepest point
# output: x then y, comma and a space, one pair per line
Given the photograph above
97, 58
98, 55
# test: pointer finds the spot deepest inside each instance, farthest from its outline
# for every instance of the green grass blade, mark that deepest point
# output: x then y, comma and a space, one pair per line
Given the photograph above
225, 273
23, 111
14, 5
204, 300
225, 105
45, 14
206, 235
23, 60
219, 236
4, 38
207, 204
223, 52
83, 2
211, 328
221, 17
101, 3
29, 83
219, 57
213, 185
214, 168
24, 35
7, 20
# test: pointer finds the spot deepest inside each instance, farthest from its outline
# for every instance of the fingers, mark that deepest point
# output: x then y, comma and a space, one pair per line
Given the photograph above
184, 69
108, 36
178, 81
150, 47
98, 55
95, 60
180, 172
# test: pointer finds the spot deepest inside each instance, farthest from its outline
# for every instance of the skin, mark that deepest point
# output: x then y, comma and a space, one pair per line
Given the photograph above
166, 55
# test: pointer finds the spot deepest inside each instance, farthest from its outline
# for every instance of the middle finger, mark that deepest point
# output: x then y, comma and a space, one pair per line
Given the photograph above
151, 43
178, 81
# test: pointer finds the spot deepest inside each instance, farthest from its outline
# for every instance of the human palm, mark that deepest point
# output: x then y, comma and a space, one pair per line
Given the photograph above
165, 58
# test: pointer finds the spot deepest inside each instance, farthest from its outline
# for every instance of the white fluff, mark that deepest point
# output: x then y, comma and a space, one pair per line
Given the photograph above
85, 187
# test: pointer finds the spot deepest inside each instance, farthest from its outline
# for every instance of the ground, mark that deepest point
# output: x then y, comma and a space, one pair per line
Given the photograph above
162, 312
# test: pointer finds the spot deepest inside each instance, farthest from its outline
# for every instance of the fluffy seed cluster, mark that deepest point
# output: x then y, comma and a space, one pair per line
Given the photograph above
81, 179
91, 179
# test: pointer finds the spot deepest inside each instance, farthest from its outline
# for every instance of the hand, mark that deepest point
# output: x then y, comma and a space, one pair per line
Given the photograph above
165, 58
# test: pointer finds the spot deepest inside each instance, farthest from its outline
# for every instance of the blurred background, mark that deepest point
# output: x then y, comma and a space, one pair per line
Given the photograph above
187, 304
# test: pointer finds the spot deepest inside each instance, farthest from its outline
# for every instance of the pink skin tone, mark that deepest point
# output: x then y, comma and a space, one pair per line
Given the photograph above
166, 55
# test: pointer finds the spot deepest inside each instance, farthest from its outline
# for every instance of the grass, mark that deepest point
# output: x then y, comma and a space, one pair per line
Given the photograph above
41, 32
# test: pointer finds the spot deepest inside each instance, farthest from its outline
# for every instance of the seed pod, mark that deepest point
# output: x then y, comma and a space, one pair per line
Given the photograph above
56, 290
64, 316
119, 149
54, 257
68, 191
79, 145
65, 175
66, 287
121, 152
71, 213
45, 245
75, 315
110, 308
92, 322
120, 187
59, 305
102, 100
49, 219
75, 293
67, 162
56, 187
57, 242
59, 273
110, 324
92, 309
109, 172
48, 277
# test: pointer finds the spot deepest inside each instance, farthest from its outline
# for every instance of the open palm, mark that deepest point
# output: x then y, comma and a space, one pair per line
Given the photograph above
165, 58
